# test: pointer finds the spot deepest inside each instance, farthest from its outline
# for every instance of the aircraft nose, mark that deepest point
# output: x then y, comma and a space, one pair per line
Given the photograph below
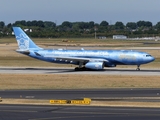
151, 59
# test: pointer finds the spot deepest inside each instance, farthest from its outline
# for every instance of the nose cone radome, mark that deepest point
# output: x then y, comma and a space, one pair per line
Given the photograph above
150, 59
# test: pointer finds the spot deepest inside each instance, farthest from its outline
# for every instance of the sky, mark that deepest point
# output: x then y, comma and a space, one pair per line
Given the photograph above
59, 11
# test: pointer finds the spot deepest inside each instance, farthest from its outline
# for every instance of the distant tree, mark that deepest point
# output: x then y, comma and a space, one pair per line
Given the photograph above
20, 23
82, 29
81, 25
104, 23
141, 23
148, 24
2, 24
17, 23
34, 23
112, 27
96, 25
23, 22
40, 23
66, 24
158, 25
119, 25
91, 24
144, 24
29, 23
5, 30
86, 25
49, 24
9, 25
75, 26
131, 25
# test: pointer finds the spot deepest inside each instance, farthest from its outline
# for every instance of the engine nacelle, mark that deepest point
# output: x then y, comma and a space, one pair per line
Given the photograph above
95, 65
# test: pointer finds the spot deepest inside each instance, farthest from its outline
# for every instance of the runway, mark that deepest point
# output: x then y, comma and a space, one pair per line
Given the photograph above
81, 93
31, 112
57, 70
50, 112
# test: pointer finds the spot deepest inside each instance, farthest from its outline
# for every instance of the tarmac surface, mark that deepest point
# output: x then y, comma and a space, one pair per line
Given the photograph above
72, 112
81, 93
58, 70
49, 112
32, 112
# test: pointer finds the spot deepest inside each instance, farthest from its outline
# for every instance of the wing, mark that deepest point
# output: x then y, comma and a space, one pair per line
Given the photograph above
78, 59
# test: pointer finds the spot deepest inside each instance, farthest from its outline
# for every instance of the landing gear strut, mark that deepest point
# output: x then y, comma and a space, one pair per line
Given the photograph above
81, 67
138, 69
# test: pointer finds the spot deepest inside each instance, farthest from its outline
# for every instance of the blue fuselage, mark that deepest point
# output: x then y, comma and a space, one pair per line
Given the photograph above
111, 57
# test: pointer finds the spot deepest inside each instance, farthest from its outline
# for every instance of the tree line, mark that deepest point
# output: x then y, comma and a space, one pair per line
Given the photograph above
82, 29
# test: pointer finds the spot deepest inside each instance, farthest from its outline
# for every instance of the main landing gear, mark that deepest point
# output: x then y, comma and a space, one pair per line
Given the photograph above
81, 67
138, 69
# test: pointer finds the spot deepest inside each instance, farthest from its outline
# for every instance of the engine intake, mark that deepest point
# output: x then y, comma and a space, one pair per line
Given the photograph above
95, 65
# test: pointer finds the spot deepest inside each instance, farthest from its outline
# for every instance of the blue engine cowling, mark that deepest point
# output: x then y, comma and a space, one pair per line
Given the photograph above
95, 65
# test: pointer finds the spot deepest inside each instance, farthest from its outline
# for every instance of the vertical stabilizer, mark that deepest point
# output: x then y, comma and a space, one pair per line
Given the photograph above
24, 42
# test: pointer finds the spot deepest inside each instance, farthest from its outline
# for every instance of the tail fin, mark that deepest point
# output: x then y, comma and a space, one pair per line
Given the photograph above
24, 42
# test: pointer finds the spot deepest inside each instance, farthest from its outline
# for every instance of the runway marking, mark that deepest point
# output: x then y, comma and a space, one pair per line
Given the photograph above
30, 97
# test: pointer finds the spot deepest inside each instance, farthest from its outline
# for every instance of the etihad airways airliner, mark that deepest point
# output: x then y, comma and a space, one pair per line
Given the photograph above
85, 59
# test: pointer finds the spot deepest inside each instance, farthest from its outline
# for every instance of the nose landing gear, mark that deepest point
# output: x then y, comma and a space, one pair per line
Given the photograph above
138, 69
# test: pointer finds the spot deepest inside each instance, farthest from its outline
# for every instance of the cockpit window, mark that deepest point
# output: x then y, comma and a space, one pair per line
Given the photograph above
148, 55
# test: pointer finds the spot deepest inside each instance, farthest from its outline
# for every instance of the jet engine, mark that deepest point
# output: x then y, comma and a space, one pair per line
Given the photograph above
95, 65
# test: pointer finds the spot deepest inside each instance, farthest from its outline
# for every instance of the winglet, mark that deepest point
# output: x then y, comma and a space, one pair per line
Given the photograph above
24, 42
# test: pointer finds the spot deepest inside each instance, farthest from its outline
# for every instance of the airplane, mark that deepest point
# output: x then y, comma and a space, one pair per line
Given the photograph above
85, 59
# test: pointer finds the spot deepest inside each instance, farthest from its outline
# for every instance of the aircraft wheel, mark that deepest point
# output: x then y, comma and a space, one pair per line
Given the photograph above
76, 69
83, 68
138, 69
